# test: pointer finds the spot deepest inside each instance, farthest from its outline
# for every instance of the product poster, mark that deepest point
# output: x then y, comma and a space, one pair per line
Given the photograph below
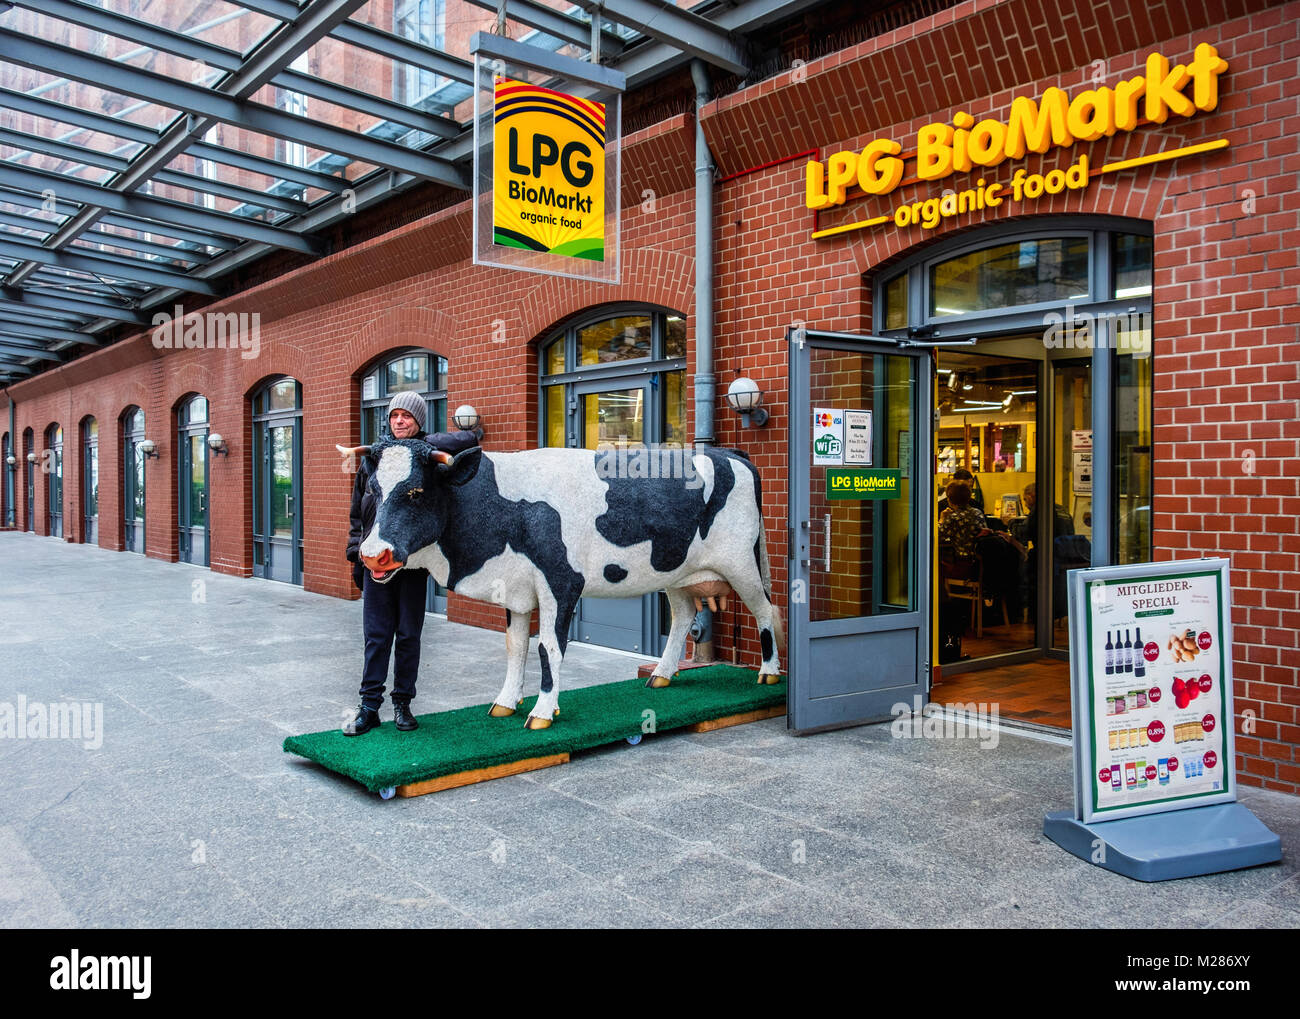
828, 437
857, 438
1153, 695
549, 173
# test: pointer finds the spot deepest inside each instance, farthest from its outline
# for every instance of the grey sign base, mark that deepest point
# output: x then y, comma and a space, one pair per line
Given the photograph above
1161, 847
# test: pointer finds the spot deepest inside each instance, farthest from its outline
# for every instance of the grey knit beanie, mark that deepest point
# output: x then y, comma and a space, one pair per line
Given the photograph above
413, 404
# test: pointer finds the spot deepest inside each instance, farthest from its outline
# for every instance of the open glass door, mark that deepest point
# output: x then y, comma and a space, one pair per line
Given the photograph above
860, 514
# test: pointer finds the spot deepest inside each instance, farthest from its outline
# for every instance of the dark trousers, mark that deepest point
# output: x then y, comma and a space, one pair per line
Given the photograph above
392, 610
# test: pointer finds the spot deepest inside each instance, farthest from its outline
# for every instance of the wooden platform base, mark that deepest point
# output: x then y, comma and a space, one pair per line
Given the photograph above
749, 716
461, 778
435, 785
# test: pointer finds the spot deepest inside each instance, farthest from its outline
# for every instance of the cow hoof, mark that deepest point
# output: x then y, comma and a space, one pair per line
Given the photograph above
537, 723
769, 680
657, 682
500, 711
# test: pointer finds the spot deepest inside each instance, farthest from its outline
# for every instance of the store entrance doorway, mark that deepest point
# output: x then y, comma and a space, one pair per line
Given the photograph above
1015, 431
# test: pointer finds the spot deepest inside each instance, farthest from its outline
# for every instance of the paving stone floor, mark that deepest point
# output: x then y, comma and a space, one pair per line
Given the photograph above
190, 815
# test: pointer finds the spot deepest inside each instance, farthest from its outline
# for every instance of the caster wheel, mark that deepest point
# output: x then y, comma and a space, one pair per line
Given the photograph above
388, 794
634, 740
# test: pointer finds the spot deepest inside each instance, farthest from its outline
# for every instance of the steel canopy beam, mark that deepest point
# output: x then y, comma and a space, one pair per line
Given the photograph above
38, 355
557, 24
160, 209
81, 305
689, 32
13, 326
188, 47
203, 102
172, 251
127, 131
101, 265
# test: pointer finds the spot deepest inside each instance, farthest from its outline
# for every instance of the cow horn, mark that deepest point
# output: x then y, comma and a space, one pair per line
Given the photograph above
441, 457
352, 450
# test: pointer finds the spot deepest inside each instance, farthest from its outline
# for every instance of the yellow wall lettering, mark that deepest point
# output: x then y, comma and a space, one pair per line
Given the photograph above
879, 169
1033, 125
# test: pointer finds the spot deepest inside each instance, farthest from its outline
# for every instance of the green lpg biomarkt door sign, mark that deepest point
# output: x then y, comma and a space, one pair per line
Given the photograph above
862, 483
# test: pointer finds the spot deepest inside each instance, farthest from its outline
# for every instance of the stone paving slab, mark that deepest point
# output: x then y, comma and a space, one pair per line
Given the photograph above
188, 814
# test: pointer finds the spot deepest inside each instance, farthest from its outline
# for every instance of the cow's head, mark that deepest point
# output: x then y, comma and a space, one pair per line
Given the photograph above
412, 485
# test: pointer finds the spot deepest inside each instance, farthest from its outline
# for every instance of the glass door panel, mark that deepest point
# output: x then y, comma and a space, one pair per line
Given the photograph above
280, 502
614, 417
193, 508
90, 481
859, 636
1132, 442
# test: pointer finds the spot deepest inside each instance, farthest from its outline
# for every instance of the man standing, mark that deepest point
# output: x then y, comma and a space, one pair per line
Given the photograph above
393, 611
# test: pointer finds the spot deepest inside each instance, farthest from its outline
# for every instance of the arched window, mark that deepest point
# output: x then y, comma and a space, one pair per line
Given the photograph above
52, 466
277, 481
416, 372
618, 376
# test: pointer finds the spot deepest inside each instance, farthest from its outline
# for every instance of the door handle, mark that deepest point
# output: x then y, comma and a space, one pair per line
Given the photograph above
202, 502
807, 561
288, 499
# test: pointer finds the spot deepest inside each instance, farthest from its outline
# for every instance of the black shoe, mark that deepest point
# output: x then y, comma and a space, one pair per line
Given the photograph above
367, 719
403, 717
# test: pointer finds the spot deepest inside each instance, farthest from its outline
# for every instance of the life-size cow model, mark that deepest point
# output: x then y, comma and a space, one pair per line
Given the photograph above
543, 528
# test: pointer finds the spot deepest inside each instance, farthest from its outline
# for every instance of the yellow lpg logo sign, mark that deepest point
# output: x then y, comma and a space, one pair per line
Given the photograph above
548, 171
1032, 126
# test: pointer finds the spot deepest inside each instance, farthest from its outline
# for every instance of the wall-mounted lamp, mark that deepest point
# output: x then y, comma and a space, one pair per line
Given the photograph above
31, 458
11, 460
744, 396
466, 418
218, 445
148, 448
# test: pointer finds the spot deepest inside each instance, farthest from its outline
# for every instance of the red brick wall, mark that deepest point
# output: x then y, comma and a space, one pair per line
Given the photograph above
1226, 306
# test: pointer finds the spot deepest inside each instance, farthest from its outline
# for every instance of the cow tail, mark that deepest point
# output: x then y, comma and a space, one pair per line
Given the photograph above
765, 570
765, 565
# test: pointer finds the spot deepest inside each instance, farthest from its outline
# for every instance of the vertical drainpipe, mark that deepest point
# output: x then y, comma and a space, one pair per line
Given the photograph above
705, 383
11, 518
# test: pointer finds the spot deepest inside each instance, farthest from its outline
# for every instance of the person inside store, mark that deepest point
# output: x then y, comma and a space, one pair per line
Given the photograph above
981, 549
1025, 531
972, 482
1026, 528
393, 612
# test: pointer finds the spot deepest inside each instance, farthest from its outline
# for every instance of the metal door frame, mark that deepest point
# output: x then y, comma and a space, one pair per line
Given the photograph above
803, 630
652, 641
262, 477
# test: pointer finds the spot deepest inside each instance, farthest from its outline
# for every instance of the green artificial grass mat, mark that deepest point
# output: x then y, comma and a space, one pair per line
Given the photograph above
449, 742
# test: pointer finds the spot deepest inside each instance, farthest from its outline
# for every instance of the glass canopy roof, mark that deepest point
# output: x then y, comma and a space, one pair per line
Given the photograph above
147, 147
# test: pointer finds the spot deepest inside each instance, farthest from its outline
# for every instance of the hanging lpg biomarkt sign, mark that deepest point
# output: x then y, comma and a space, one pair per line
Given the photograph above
548, 171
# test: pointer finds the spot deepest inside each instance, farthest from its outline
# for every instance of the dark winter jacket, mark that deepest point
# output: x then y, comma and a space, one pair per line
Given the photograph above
365, 502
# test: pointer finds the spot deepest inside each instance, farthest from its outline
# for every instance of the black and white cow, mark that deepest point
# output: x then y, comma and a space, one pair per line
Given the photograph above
542, 528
